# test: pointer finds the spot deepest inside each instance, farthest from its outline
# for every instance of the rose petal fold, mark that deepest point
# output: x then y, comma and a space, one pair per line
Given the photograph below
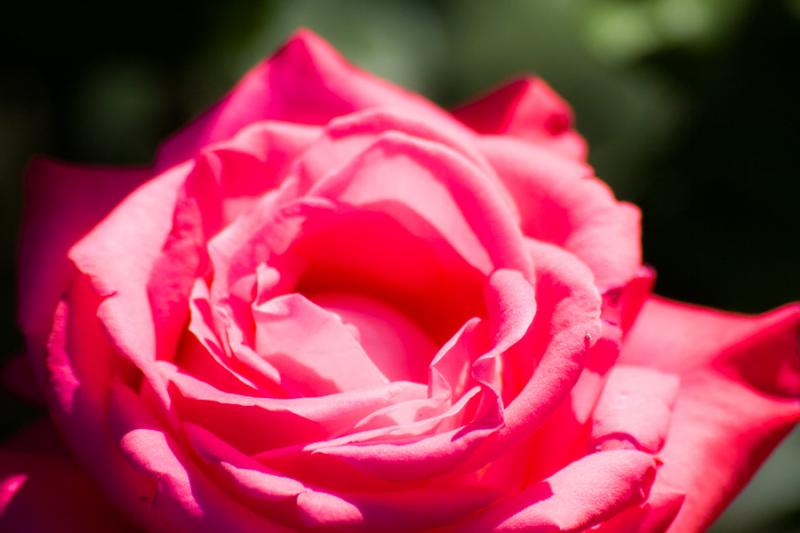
560, 202
577, 497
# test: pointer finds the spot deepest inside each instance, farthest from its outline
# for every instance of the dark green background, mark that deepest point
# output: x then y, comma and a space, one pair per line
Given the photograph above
690, 108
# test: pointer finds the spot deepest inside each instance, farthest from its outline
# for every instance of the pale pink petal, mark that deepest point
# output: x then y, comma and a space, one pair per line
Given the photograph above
312, 349
180, 497
527, 108
302, 419
577, 497
399, 347
634, 409
566, 325
739, 396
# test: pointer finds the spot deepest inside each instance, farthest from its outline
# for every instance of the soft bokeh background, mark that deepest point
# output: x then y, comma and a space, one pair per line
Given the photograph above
691, 109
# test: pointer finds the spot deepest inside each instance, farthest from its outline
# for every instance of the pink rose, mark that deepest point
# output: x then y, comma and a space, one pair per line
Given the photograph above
332, 305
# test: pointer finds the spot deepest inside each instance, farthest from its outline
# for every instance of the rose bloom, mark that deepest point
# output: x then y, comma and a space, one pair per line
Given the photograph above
331, 305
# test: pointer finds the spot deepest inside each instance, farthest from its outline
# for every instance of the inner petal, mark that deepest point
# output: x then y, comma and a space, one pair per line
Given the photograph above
312, 348
395, 344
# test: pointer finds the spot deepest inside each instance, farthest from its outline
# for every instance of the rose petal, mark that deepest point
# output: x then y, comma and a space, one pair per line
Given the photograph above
560, 202
740, 386
301, 419
312, 348
347, 136
406, 176
78, 369
255, 161
634, 409
118, 256
566, 297
398, 347
527, 108
389, 511
656, 514
577, 497
181, 497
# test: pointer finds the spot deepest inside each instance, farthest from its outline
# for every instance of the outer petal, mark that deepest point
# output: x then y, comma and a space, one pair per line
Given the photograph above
62, 203
118, 256
739, 396
181, 497
577, 497
306, 82
42, 489
527, 108
561, 202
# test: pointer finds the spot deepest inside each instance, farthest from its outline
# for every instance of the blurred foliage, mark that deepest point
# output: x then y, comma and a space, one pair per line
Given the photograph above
690, 108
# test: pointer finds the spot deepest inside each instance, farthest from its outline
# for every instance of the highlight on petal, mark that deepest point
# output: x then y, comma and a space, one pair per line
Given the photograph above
566, 296
118, 255
312, 348
181, 495
577, 497
527, 108
739, 396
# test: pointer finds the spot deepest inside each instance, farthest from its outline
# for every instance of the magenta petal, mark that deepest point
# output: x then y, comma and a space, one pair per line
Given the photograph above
739, 396
527, 108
